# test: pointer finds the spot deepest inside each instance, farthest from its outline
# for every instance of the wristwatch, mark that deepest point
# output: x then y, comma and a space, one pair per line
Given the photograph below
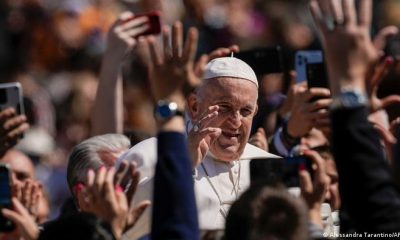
165, 110
349, 99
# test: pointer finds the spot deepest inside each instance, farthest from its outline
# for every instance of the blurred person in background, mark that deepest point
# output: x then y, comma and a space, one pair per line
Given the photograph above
24, 185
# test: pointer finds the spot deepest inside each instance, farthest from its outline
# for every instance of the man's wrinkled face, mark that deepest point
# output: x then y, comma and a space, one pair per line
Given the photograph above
237, 101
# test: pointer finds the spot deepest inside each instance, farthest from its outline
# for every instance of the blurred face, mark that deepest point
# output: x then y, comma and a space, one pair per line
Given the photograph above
332, 196
21, 166
237, 101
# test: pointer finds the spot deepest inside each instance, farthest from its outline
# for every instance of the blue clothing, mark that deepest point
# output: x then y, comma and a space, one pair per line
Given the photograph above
174, 205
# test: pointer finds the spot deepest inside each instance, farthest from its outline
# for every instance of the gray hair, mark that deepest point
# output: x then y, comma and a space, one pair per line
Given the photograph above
85, 155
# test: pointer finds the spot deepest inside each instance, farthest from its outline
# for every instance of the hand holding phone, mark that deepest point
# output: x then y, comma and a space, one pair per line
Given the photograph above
277, 170
153, 21
6, 225
11, 96
310, 67
264, 60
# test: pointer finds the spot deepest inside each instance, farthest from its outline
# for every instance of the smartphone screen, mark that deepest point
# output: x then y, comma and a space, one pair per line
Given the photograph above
5, 197
270, 171
316, 75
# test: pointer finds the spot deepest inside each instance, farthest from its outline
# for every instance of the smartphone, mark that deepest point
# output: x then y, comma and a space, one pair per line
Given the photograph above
6, 225
154, 21
263, 60
310, 67
392, 47
270, 171
11, 96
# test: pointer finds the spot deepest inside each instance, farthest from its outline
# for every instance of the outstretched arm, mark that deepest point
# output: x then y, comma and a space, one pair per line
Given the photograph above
366, 186
108, 108
172, 68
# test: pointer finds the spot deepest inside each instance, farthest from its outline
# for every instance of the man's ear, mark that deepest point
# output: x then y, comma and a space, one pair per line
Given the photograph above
193, 105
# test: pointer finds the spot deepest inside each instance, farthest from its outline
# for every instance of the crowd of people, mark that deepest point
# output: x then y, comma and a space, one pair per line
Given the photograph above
130, 135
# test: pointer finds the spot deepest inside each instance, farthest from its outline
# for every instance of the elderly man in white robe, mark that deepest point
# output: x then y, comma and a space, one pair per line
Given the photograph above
220, 113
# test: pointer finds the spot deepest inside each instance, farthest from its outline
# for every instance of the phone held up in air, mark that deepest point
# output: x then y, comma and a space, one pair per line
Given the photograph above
270, 171
310, 67
154, 22
11, 96
263, 60
6, 225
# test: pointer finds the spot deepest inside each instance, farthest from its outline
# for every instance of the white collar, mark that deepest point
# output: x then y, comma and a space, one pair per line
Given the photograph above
251, 152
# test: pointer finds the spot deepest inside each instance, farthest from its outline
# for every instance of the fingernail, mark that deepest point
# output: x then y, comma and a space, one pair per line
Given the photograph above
389, 61
118, 188
78, 187
102, 168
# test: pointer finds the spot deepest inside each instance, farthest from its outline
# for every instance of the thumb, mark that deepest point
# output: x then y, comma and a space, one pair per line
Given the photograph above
386, 135
13, 216
380, 39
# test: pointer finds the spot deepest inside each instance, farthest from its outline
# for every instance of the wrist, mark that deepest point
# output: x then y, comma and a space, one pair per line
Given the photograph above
173, 124
288, 140
289, 133
115, 51
349, 98
339, 84
116, 230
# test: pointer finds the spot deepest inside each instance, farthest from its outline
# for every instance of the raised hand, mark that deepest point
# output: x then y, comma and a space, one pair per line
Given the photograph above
348, 47
124, 32
172, 67
122, 37
26, 226
127, 176
29, 193
12, 127
305, 115
202, 135
379, 71
108, 201
313, 190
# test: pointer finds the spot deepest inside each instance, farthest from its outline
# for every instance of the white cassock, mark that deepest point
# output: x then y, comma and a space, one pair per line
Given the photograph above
217, 184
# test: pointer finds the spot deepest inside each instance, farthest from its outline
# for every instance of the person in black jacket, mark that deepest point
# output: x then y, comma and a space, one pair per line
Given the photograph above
366, 186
